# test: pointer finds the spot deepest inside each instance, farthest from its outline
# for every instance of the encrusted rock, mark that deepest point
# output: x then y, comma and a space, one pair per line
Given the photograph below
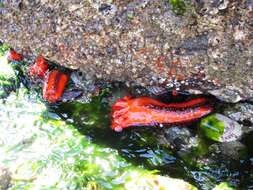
208, 48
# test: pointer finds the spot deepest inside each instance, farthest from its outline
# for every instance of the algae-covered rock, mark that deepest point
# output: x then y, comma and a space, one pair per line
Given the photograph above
220, 128
42, 152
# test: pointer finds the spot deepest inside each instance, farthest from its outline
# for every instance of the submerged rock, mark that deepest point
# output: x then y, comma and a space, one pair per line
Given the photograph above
193, 45
229, 150
178, 138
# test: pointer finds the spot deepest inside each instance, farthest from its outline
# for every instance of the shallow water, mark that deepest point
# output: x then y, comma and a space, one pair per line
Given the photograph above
139, 146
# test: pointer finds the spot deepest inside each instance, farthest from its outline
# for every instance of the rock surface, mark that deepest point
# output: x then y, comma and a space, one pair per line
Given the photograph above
142, 42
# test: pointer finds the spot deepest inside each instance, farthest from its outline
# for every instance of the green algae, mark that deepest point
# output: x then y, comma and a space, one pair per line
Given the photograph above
1, 5
8, 77
212, 127
178, 6
4, 48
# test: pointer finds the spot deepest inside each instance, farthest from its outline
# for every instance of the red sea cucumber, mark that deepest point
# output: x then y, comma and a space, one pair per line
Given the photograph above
40, 67
54, 86
144, 111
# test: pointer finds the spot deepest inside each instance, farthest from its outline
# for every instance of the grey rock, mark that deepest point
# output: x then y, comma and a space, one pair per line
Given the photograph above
178, 138
220, 158
241, 112
233, 150
208, 49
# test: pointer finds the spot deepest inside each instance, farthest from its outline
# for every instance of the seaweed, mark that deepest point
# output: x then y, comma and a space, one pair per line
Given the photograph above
8, 79
212, 127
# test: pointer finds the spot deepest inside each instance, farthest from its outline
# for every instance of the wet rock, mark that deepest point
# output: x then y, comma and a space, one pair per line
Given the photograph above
178, 138
219, 162
206, 48
219, 128
233, 150
5, 178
